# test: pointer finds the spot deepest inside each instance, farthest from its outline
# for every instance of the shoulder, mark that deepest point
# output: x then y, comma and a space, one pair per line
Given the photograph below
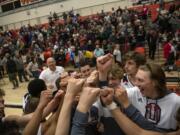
44, 73
59, 68
172, 98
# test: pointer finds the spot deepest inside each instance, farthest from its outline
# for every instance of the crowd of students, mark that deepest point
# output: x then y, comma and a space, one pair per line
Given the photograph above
114, 91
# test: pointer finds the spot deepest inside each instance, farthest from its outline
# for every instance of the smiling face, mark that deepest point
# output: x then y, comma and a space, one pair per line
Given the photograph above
145, 84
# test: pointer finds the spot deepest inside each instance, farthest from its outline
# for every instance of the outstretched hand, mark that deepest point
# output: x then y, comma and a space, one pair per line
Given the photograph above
107, 95
74, 86
87, 98
122, 97
45, 98
58, 95
104, 63
92, 80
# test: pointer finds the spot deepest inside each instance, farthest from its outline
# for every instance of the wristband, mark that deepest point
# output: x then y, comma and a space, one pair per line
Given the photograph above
112, 106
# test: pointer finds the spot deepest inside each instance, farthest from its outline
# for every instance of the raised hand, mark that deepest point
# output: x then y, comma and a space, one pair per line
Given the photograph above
107, 95
87, 98
58, 95
122, 97
104, 63
64, 80
45, 97
92, 80
74, 86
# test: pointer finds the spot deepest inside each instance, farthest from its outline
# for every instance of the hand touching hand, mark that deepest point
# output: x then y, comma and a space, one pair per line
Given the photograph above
45, 97
87, 98
58, 95
92, 80
122, 97
104, 63
74, 86
107, 96
64, 80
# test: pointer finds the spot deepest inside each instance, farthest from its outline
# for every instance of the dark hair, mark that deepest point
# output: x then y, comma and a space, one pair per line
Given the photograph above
85, 63
58, 83
36, 86
9, 128
138, 58
158, 76
117, 72
31, 104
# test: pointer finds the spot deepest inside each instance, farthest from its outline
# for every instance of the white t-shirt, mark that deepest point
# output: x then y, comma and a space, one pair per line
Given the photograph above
50, 77
126, 83
161, 111
117, 53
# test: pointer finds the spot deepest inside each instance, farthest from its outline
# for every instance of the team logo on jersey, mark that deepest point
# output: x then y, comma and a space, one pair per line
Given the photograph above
153, 113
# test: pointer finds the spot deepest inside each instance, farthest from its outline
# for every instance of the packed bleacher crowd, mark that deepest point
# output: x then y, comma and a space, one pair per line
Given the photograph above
99, 97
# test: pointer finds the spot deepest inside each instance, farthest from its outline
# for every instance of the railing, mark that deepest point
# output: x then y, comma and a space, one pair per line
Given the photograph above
13, 105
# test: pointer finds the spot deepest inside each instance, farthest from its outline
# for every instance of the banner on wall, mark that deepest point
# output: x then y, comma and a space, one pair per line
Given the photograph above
27, 2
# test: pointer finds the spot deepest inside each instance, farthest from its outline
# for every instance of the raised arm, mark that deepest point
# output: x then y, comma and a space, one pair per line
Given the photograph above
49, 126
80, 120
124, 122
128, 126
73, 88
22, 121
104, 64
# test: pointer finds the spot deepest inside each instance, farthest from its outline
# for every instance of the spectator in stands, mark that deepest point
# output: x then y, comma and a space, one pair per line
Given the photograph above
47, 54
98, 51
144, 12
117, 54
152, 43
32, 68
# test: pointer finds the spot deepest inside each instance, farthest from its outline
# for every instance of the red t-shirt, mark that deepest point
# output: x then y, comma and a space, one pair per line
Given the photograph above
167, 49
